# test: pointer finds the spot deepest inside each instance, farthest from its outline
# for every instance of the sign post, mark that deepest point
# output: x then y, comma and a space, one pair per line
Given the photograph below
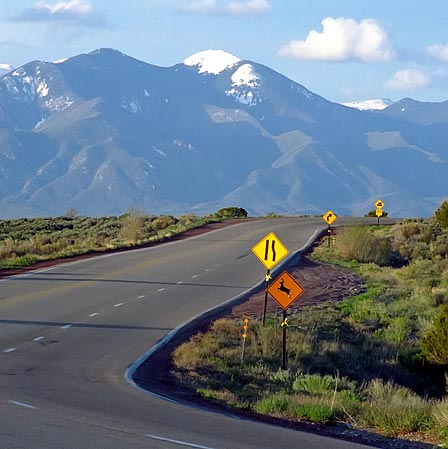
329, 217
379, 210
270, 251
285, 290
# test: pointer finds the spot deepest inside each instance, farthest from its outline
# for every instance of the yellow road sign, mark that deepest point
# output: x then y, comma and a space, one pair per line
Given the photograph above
379, 213
270, 250
329, 217
285, 290
379, 204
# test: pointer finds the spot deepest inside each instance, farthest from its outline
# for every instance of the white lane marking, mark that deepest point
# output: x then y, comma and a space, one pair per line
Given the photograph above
140, 297
194, 276
38, 338
207, 269
93, 314
179, 283
118, 304
9, 350
180, 443
67, 326
22, 404
160, 289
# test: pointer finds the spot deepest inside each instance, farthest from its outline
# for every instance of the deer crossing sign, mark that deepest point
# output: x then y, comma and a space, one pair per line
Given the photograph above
285, 290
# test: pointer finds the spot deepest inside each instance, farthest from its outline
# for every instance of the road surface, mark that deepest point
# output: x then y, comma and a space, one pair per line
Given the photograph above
69, 333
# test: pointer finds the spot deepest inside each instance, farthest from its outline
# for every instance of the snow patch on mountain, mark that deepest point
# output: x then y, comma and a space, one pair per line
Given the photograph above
60, 61
5, 68
212, 61
370, 105
245, 84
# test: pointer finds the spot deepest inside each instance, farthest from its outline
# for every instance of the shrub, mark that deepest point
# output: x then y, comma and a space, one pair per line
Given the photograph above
441, 214
434, 343
232, 212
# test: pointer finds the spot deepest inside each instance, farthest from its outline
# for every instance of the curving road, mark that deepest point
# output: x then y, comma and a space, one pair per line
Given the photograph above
68, 334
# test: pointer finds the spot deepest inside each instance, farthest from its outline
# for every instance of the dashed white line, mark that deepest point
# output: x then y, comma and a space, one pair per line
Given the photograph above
9, 350
179, 283
93, 314
38, 338
22, 404
140, 297
67, 326
194, 276
207, 269
160, 289
118, 304
180, 443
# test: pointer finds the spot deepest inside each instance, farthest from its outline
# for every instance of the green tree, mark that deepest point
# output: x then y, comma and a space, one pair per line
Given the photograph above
441, 214
232, 212
372, 213
434, 343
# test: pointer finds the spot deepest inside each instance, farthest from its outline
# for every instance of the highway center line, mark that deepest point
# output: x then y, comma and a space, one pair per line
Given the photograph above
118, 304
93, 314
67, 326
161, 290
9, 350
194, 276
22, 404
141, 296
38, 338
180, 443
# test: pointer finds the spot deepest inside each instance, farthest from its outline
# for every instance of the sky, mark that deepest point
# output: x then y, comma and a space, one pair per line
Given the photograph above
344, 50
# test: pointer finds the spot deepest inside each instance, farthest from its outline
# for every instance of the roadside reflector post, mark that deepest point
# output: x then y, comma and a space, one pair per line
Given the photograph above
245, 329
329, 236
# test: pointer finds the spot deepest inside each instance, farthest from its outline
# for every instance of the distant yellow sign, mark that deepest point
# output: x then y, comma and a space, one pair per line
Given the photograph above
379, 213
285, 290
379, 204
329, 217
270, 250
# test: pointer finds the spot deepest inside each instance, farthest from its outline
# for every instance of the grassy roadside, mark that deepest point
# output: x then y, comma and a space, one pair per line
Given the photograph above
24, 242
361, 362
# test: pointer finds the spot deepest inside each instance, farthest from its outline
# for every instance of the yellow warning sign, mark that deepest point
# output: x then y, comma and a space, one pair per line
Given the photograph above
285, 290
379, 204
270, 250
329, 217
379, 213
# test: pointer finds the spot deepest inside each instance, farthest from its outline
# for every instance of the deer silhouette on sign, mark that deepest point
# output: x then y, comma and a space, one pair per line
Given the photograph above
284, 289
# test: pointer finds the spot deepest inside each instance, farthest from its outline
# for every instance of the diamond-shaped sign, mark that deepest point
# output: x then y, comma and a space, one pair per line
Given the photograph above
285, 290
329, 217
379, 204
270, 250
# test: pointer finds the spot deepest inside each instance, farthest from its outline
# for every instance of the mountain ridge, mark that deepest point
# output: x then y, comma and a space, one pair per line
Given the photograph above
104, 132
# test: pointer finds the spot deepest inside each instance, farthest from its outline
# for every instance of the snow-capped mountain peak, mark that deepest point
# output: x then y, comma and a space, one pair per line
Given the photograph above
245, 85
245, 75
370, 105
212, 61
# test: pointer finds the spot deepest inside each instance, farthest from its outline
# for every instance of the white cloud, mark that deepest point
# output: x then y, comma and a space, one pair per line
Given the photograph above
252, 7
438, 51
81, 7
75, 11
234, 8
408, 79
342, 39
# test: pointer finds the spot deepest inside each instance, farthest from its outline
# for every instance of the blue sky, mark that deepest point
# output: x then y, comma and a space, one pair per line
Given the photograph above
341, 49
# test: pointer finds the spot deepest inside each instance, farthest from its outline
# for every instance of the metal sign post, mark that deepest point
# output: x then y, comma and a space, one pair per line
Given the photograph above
270, 251
285, 290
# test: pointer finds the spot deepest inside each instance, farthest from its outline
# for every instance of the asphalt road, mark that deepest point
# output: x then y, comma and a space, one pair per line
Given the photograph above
69, 333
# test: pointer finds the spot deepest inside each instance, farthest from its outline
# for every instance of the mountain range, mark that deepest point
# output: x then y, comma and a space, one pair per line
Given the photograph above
103, 133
